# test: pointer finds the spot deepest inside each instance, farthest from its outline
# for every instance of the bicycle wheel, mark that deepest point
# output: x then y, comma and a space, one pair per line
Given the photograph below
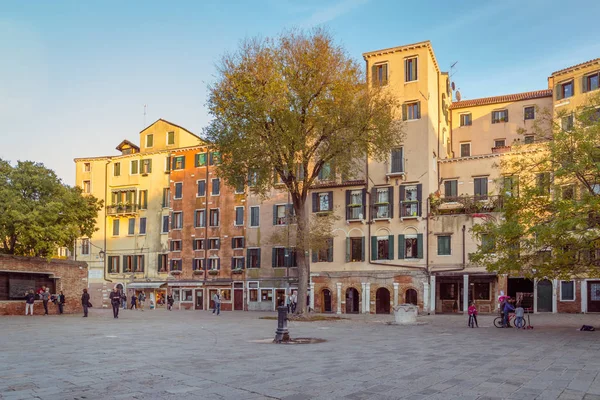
498, 322
519, 322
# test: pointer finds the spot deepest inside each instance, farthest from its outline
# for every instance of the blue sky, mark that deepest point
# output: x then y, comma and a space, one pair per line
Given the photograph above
75, 75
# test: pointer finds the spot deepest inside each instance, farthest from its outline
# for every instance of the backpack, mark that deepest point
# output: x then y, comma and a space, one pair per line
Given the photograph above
587, 328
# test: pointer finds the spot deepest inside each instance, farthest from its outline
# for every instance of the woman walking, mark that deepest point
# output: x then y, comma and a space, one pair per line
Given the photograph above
85, 302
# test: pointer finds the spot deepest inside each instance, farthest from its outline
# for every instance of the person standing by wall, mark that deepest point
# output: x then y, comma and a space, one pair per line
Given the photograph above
124, 300
115, 301
133, 300
29, 301
217, 301
45, 298
85, 302
170, 302
141, 300
61, 302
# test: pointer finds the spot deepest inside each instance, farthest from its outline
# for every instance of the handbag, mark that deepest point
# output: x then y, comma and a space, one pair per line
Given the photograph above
90, 305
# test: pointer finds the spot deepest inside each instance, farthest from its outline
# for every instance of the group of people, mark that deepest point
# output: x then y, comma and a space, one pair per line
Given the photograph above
43, 294
507, 305
292, 302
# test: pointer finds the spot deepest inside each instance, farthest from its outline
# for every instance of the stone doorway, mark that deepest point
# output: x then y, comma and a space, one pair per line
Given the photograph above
382, 301
352, 301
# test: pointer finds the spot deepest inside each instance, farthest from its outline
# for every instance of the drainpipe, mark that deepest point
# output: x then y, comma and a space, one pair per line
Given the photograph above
105, 217
206, 218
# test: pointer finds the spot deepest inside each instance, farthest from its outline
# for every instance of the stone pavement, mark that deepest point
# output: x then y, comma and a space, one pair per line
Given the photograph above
195, 355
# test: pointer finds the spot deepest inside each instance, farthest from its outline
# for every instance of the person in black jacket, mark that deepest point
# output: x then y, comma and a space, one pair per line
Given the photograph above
115, 300
85, 302
29, 301
61, 302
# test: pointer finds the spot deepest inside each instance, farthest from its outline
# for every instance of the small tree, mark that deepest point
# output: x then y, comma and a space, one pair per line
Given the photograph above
551, 223
38, 213
292, 106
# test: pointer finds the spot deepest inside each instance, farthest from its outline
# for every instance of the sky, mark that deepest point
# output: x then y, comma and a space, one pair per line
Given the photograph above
75, 75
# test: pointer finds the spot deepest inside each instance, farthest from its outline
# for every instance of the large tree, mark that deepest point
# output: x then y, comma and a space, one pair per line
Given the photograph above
551, 222
38, 213
291, 106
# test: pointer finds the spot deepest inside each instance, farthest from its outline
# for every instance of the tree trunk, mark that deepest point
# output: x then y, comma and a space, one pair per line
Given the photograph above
302, 258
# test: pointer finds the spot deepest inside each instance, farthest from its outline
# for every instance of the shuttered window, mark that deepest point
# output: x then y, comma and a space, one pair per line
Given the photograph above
481, 188
239, 216
410, 68
379, 74
397, 161
411, 111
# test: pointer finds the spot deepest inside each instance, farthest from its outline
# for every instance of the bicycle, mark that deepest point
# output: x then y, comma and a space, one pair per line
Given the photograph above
499, 323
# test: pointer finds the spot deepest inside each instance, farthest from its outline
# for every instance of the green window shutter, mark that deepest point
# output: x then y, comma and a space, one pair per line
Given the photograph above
259, 257
420, 245
135, 263
248, 260
404, 115
374, 75
385, 74
414, 68
314, 256
418, 110
362, 254
273, 256
373, 248
406, 66
330, 250
420, 199
160, 259
274, 215
584, 86
391, 200
401, 244
391, 247
347, 249
557, 92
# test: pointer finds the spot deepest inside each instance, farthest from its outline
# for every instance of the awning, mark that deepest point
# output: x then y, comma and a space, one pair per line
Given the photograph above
145, 285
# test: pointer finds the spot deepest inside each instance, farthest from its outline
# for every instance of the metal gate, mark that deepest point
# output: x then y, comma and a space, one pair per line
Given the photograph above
544, 296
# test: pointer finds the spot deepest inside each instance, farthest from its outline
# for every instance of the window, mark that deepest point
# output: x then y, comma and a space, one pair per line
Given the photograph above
87, 167
411, 111
488, 244
591, 82
448, 291
567, 122
149, 140
237, 242
214, 244
201, 188
254, 216
564, 90
568, 192
465, 149
499, 116
357, 249
198, 264
116, 227
510, 186
325, 173
138, 263
543, 183
237, 263
529, 139
411, 246
253, 291
481, 188
466, 119
131, 227
165, 224
379, 74
143, 226
481, 291
163, 261
253, 258
124, 199
143, 199
410, 68
252, 178
322, 201
499, 142
166, 201
383, 198
567, 291
214, 263
175, 245
397, 161
87, 187
382, 247
85, 247
444, 245
113, 264
410, 200
176, 264
239, 216
178, 162
216, 187
177, 222
266, 295
170, 138
279, 254
198, 244
199, 218
214, 217
133, 169
117, 169
355, 204
178, 190
326, 253
239, 186
281, 214
200, 160
146, 166
529, 112
214, 158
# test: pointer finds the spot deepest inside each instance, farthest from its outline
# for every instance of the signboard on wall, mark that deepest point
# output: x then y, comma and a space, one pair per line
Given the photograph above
95, 274
18, 287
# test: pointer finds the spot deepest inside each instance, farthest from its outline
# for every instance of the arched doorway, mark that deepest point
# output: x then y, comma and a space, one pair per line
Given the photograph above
326, 300
352, 301
544, 296
411, 297
382, 301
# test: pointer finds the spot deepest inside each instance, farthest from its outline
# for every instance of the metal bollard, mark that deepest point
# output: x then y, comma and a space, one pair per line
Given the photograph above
282, 334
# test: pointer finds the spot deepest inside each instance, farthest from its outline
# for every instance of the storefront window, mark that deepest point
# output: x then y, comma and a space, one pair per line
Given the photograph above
253, 294
187, 295
481, 290
266, 295
226, 295
447, 291
176, 295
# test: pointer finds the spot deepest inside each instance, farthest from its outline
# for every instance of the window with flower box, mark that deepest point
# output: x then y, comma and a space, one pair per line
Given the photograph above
383, 199
355, 204
410, 201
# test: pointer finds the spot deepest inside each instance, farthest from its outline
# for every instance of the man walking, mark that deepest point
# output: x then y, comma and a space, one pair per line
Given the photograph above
61, 302
29, 300
141, 300
85, 302
115, 300
217, 301
45, 298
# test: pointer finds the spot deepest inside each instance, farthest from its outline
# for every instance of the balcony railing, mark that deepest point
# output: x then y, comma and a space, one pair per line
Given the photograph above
501, 149
116, 209
466, 204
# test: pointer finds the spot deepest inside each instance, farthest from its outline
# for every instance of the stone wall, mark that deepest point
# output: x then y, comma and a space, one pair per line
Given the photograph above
68, 276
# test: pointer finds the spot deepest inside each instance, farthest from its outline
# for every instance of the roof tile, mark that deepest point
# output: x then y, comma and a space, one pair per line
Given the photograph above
502, 99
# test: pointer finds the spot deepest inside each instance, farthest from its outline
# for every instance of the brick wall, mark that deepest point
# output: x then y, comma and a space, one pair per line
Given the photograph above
569, 306
71, 278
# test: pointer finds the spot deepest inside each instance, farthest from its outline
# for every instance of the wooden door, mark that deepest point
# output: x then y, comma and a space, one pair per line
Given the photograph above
238, 299
544, 296
199, 299
593, 303
382, 301
326, 300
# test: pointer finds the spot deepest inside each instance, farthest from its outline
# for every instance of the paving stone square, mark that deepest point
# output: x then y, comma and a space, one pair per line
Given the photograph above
197, 355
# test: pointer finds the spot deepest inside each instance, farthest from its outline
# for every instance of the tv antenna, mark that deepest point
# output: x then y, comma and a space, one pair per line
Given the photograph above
452, 72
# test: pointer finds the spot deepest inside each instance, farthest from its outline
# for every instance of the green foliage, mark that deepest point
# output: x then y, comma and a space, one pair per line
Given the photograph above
552, 227
38, 213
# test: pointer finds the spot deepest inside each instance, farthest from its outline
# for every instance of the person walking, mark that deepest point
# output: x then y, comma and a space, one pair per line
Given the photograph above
294, 301
115, 301
45, 298
85, 302
133, 299
141, 300
61, 302
170, 302
29, 301
124, 301
217, 301
472, 310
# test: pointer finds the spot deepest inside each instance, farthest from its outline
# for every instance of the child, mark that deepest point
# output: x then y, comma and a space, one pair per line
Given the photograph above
519, 314
472, 310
